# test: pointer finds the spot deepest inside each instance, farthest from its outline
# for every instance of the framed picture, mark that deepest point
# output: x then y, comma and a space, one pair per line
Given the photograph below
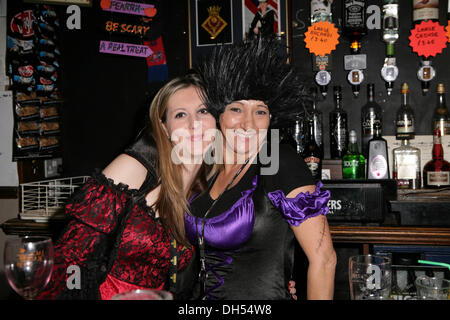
261, 16
214, 22
223, 22
211, 23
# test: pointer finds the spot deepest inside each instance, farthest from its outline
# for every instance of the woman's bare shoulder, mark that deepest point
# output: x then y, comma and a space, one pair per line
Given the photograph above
127, 170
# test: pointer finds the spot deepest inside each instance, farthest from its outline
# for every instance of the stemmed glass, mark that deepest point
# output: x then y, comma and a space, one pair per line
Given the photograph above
28, 264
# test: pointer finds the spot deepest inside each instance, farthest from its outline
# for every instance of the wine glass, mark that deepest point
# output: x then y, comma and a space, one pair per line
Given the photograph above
28, 264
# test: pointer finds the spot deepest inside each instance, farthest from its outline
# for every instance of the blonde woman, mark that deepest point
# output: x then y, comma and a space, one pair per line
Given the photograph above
127, 222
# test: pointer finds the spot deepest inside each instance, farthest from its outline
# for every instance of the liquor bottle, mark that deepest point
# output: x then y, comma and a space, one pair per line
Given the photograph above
405, 121
299, 133
316, 116
311, 153
354, 28
371, 113
389, 72
338, 127
441, 118
436, 173
424, 11
390, 25
406, 166
354, 24
353, 162
377, 162
321, 11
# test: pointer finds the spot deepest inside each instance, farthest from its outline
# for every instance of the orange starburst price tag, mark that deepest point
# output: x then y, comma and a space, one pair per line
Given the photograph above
428, 39
448, 30
321, 38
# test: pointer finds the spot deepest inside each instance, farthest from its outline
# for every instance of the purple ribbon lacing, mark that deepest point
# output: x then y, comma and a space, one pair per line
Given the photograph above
226, 260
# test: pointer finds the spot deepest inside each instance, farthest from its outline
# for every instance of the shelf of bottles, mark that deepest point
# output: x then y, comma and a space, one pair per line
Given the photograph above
306, 135
372, 162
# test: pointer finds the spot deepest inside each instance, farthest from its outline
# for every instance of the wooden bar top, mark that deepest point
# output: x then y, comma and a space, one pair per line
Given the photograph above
339, 234
391, 235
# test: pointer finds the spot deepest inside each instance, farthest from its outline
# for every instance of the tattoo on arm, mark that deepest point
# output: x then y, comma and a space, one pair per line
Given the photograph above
324, 226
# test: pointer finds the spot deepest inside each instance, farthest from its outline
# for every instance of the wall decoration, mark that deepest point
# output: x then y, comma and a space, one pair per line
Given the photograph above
214, 22
134, 29
141, 9
447, 28
321, 38
238, 16
157, 65
127, 28
126, 49
428, 39
260, 17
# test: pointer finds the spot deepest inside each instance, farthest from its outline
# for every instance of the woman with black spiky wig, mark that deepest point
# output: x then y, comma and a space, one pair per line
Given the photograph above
245, 224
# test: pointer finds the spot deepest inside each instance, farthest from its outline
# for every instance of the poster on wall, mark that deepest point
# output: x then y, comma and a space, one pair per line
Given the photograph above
260, 17
214, 22
134, 29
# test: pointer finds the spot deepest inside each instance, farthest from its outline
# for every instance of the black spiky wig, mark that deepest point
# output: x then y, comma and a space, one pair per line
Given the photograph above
254, 70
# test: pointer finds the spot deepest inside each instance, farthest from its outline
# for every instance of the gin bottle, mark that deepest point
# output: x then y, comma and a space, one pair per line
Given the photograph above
389, 72
406, 163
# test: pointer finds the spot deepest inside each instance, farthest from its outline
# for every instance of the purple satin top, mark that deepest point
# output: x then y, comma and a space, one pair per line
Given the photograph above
229, 229
234, 227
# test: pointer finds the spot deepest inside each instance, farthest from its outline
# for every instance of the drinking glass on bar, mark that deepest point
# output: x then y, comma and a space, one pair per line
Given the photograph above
28, 264
370, 277
432, 288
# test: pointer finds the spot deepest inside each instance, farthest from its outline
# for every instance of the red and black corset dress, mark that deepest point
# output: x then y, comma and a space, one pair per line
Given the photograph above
141, 256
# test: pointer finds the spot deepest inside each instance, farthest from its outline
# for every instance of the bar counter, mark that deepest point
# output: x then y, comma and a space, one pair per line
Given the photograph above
368, 235
365, 235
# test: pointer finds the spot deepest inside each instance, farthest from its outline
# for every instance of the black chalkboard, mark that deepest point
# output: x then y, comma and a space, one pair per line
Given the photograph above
408, 63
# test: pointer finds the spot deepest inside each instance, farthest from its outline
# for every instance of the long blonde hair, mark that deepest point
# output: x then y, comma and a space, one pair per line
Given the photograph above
172, 200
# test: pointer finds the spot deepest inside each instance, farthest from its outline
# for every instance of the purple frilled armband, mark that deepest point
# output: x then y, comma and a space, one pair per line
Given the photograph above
303, 206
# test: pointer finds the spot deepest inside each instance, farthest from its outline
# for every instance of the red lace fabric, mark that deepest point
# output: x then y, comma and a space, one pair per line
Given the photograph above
143, 255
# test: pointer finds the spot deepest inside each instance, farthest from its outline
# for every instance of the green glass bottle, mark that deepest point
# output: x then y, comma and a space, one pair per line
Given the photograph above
353, 162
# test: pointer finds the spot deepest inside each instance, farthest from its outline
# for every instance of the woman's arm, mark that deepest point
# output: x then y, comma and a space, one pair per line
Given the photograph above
314, 237
127, 170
